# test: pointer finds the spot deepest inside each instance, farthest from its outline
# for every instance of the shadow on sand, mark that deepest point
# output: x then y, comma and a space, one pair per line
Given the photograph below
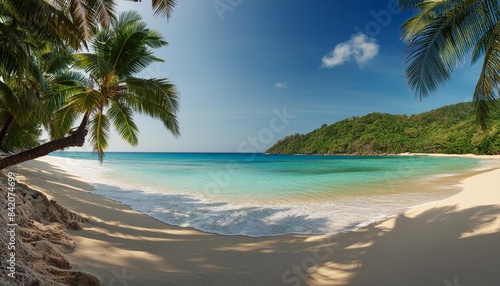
431, 249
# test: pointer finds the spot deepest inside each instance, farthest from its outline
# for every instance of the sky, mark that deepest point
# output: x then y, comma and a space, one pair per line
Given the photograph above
250, 72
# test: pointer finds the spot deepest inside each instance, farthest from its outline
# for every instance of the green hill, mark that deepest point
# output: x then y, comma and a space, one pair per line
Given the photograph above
449, 129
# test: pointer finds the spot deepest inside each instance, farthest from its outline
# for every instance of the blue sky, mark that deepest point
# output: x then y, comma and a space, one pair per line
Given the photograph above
250, 72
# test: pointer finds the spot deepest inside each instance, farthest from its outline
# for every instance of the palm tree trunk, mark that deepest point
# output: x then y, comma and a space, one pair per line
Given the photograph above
76, 139
5, 129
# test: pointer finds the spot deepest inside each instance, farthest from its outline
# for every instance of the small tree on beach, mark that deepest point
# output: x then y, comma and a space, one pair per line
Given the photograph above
441, 34
110, 94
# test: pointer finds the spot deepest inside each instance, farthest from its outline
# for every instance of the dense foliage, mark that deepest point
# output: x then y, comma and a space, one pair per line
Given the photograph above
450, 129
43, 46
22, 137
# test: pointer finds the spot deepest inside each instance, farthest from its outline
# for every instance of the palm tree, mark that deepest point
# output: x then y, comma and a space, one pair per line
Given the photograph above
161, 7
25, 28
441, 34
110, 95
20, 93
60, 22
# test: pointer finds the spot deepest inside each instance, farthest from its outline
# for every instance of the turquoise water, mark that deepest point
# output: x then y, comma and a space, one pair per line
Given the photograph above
259, 194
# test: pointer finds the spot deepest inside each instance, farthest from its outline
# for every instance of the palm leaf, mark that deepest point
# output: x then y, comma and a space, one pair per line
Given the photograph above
124, 19
56, 61
94, 64
43, 20
11, 101
163, 7
406, 5
87, 100
419, 21
87, 14
484, 98
439, 48
99, 133
129, 52
122, 118
156, 98
63, 121
60, 89
159, 92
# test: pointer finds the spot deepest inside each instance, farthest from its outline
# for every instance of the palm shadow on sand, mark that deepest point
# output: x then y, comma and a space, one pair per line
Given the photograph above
431, 249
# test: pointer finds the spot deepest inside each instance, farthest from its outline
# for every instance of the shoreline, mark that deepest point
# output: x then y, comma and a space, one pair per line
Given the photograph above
493, 157
304, 215
106, 231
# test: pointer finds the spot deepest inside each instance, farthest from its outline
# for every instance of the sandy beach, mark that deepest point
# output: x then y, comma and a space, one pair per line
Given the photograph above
455, 241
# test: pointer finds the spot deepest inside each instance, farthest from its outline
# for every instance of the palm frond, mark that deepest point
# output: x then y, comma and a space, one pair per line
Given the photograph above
104, 11
122, 118
406, 5
87, 14
99, 133
70, 78
14, 51
94, 64
154, 40
56, 61
126, 18
481, 45
156, 98
63, 121
164, 7
129, 52
90, 99
441, 46
61, 88
44, 21
12, 102
484, 98
419, 21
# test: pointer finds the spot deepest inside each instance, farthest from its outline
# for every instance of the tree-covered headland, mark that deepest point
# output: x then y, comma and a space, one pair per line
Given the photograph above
450, 129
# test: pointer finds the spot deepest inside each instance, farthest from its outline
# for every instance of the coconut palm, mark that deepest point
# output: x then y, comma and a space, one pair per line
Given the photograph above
60, 22
27, 28
111, 95
441, 34
20, 94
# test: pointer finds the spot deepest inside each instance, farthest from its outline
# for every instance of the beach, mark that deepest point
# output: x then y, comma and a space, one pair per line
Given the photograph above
455, 241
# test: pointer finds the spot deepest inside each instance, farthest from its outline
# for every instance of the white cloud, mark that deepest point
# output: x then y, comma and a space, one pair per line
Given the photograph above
281, 84
360, 47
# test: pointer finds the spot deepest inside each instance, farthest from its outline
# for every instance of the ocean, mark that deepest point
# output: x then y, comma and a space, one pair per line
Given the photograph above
266, 195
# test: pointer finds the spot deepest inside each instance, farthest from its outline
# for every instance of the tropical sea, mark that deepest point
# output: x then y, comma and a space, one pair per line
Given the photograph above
266, 195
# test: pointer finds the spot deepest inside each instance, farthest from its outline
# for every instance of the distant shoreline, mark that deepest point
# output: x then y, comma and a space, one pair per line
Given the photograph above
451, 155
404, 154
479, 156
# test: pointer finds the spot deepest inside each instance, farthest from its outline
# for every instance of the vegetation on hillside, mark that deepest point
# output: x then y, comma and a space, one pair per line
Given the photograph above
450, 129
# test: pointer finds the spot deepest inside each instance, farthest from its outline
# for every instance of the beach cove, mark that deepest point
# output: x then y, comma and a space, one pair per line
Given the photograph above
455, 239
268, 195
